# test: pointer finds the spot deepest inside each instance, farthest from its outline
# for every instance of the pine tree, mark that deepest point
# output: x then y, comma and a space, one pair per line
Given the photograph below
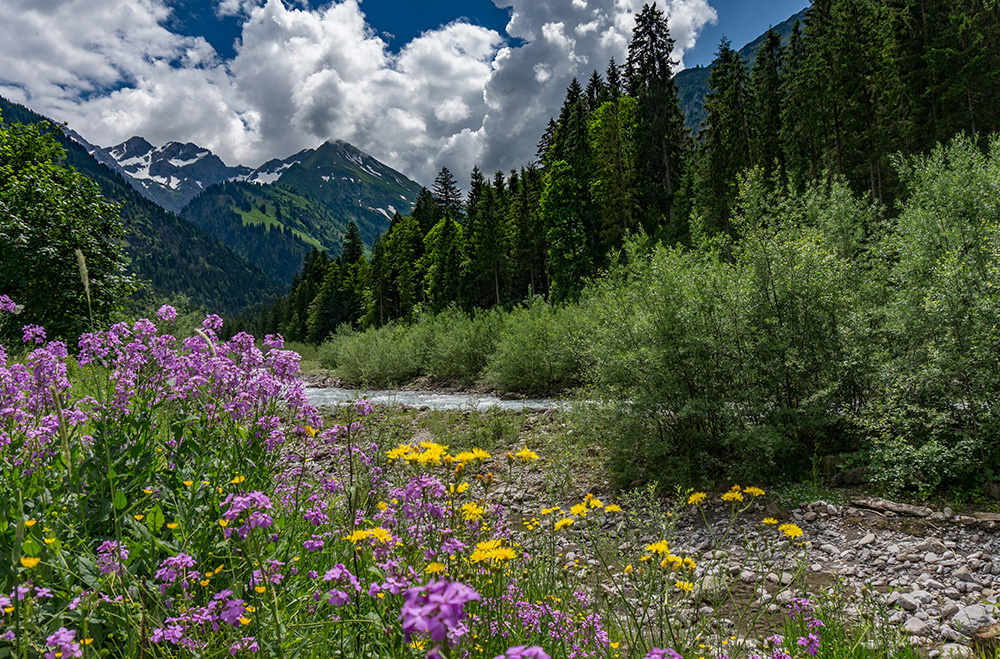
766, 95
661, 134
561, 208
725, 140
448, 196
443, 255
353, 249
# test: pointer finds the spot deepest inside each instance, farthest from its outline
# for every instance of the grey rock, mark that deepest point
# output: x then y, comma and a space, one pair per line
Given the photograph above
915, 626
867, 540
971, 618
949, 609
907, 602
955, 651
963, 574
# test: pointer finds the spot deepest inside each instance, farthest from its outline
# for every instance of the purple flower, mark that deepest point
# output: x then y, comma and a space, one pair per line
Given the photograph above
34, 333
810, 643
657, 653
62, 644
167, 314
111, 557
437, 609
212, 322
524, 652
7, 304
232, 612
172, 569
245, 643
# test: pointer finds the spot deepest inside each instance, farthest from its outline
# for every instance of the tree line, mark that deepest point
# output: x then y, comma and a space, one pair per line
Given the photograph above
858, 82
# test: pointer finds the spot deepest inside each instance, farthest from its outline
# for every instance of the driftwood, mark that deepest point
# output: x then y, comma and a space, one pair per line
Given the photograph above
876, 503
987, 517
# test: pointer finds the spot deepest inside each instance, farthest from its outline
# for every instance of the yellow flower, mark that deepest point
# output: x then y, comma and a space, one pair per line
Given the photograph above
87, 641
549, 511
472, 512
435, 568
223, 523
770, 521
660, 547
148, 491
580, 510
462, 487
754, 491
614, 646
30, 561
237, 480
172, 525
310, 431
251, 609
138, 518
563, 523
791, 531
188, 483
685, 586
473, 455
492, 551
260, 589
380, 535
696, 498
689, 563
628, 569
357, 536
49, 541
383, 506
30, 522
244, 621
526, 455
732, 495
613, 508
204, 582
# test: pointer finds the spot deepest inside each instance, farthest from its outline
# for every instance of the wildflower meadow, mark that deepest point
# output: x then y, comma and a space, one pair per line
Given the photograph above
178, 497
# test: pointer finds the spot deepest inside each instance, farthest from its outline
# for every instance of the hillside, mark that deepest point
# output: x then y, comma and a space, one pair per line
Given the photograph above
168, 252
692, 84
284, 208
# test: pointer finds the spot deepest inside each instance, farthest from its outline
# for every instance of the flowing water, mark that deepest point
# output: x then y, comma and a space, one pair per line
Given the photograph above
335, 396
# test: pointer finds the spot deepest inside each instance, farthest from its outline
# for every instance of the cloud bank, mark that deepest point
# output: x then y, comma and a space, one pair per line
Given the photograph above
456, 96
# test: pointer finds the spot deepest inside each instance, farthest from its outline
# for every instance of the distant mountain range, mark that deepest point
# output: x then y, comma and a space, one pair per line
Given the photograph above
274, 214
692, 84
168, 252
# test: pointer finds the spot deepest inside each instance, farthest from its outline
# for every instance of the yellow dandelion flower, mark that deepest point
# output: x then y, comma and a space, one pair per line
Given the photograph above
685, 586
753, 491
260, 589
435, 568
244, 621
628, 569
549, 511
563, 523
188, 483
237, 480
357, 536
660, 547
732, 495
696, 498
580, 510
87, 641
30, 561
689, 563
223, 523
138, 518
383, 506
472, 512
770, 521
613, 508
380, 535
526, 455
472, 456
791, 531
204, 582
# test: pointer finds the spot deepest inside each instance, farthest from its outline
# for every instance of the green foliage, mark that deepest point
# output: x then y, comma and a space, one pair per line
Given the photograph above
47, 212
539, 350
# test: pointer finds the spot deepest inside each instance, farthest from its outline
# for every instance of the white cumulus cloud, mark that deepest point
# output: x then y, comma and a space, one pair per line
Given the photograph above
455, 96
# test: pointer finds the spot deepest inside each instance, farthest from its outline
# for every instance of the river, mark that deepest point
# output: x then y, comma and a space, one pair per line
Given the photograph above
435, 401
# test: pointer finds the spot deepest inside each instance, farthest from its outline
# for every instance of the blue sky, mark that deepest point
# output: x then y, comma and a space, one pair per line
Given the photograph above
418, 85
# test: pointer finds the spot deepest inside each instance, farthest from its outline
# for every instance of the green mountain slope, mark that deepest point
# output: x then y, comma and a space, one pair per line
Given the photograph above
314, 196
692, 84
168, 252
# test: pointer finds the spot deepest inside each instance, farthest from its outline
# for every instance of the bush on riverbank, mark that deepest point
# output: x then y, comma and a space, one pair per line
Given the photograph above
534, 349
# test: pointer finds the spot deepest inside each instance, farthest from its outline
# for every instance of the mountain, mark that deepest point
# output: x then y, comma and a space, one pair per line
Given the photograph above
278, 212
170, 175
169, 253
692, 84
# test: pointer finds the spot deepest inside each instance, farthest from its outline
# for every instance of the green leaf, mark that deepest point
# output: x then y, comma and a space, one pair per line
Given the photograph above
155, 519
120, 500
31, 547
